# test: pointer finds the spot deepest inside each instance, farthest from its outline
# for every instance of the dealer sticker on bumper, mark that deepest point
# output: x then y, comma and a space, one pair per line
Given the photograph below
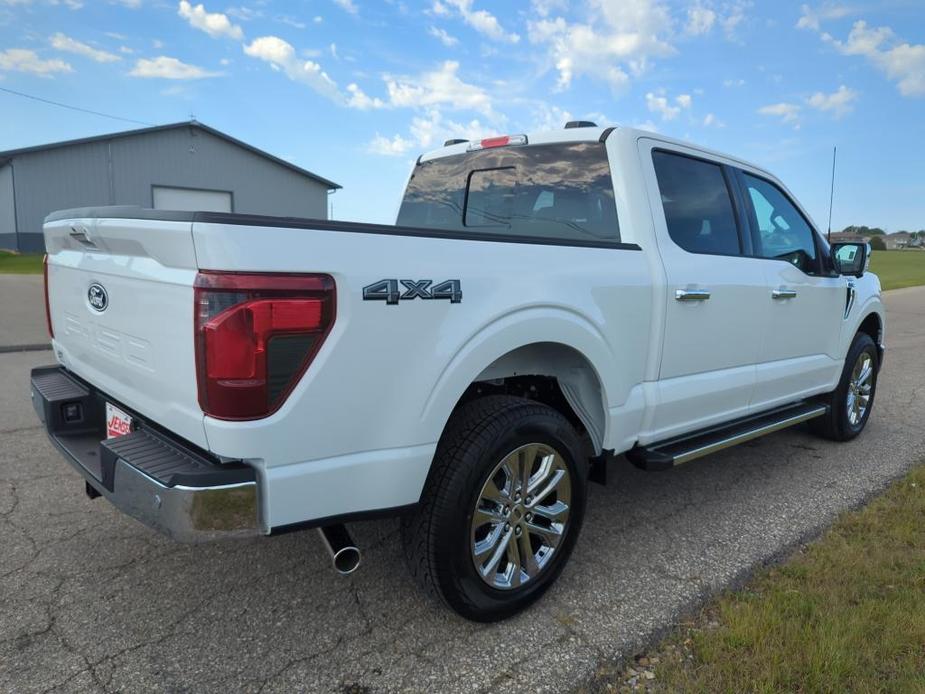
118, 423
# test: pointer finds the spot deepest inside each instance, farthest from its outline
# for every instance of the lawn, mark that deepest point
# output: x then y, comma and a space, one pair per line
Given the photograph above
846, 614
899, 268
25, 264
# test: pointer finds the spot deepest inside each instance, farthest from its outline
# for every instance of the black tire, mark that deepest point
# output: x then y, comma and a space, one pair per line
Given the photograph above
837, 425
436, 538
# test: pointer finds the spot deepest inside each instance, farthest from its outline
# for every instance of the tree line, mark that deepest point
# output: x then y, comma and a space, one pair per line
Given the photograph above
877, 231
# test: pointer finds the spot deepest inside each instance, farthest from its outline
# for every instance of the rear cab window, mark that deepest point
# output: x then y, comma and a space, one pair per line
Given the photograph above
560, 192
698, 206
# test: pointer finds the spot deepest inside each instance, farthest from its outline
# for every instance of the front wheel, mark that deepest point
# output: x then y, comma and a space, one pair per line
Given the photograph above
851, 402
501, 510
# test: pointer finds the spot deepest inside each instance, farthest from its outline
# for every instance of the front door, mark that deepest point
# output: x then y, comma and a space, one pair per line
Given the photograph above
799, 351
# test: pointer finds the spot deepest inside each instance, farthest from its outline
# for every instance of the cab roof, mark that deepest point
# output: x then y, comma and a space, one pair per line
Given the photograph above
590, 134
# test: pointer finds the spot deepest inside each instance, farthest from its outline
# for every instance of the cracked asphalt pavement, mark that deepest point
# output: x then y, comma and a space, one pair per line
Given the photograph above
91, 600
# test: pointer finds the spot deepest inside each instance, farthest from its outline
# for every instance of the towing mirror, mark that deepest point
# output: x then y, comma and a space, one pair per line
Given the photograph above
851, 258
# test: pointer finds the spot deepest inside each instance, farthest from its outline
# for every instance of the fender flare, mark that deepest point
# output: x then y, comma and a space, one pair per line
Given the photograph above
515, 330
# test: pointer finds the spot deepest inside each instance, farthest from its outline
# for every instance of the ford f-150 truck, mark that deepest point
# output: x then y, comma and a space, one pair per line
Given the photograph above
544, 303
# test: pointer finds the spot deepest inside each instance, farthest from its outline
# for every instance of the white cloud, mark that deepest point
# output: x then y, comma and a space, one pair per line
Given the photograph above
700, 20
24, 60
482, 21
734, 83
839, 102
245, 14
710, 120
348, 6
811, 17
440, 87
291, 21
788, 113
282, 56
64, 43
903, 63
619, 37
439, 9
735, 15
393, 147
215, 24
359, 100
547, 117
126, 50
661, 104
545, 7
444, 37
164, 67
427, 131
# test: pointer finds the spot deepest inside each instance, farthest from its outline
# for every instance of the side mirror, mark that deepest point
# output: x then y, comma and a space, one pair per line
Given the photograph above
850, 258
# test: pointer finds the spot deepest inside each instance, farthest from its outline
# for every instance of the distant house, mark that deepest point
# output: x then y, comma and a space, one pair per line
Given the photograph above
182, 166
900, 239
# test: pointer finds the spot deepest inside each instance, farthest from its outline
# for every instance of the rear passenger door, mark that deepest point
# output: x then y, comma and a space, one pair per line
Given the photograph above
716, 306
801, 340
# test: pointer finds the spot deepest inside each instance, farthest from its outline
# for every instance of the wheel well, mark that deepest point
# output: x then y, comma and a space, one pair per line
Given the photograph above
554, 374
871, 326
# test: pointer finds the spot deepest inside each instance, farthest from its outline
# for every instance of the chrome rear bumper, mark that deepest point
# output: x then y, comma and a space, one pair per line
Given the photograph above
151, 476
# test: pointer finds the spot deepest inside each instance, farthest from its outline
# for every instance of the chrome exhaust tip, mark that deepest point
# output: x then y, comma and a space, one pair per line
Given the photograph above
345, 555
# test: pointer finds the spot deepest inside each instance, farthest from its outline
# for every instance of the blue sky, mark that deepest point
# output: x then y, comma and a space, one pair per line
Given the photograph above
354, 91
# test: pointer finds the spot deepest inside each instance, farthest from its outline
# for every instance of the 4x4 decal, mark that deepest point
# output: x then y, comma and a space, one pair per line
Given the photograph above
389, 292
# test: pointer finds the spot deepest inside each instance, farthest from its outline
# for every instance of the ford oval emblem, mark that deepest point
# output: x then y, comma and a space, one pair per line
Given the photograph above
97, 297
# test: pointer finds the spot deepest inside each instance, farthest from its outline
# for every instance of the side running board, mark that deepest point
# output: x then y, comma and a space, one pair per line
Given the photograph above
681, 449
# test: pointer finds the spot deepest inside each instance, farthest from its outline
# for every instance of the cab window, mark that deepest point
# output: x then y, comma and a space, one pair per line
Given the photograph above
782, 233
698, 207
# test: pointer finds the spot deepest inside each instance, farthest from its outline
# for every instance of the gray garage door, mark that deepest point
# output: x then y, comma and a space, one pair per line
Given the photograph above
191, 199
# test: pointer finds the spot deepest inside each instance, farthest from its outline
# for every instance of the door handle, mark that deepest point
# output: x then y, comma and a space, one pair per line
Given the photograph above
783, 293
691, 294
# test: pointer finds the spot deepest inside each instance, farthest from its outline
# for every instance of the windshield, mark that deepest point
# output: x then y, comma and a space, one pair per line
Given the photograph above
558, 191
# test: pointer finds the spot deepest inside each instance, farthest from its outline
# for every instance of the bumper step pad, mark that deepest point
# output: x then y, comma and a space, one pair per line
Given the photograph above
169, 464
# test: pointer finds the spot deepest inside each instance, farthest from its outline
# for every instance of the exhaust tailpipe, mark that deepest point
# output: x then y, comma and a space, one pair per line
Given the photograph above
345, 555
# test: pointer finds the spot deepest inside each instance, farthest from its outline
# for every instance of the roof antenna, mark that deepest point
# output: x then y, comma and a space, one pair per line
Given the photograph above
831, 194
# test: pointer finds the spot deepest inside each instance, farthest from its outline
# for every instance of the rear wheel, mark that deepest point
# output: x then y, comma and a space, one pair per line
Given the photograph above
501, 510
851, 402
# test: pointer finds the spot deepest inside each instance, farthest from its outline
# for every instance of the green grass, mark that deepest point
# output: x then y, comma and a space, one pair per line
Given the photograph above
899, 268
847, 614
25, 264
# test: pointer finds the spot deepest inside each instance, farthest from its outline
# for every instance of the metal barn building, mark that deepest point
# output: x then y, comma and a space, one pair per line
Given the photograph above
182, 166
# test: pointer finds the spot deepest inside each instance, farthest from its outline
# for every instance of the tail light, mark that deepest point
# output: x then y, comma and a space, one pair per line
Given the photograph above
256, 334
51, 332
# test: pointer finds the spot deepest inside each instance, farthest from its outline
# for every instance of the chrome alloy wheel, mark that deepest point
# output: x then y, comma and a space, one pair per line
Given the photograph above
859, 388
521, 516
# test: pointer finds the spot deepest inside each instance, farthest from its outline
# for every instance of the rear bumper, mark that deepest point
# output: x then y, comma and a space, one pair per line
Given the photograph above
148, 474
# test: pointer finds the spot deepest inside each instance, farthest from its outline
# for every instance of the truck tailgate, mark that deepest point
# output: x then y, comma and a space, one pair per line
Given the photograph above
121, 304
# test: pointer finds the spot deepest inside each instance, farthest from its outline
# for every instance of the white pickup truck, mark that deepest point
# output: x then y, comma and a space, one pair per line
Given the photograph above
543, 304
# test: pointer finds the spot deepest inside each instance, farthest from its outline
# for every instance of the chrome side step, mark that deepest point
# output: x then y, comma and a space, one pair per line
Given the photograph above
681, 449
